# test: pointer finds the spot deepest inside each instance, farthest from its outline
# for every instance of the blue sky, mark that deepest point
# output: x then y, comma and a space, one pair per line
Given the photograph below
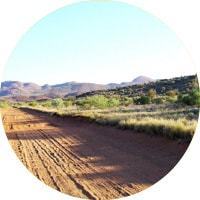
97, 42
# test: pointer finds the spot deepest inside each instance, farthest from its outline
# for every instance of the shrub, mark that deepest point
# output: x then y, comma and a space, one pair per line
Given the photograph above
68, 103
195, 97
151, 93
186, 99
171, 93
58, 103
96, 101
171, 99
46, 104
191, 98
113, 102
126, 101
4, 104
33, 104
159, 100
144, 100
195, 83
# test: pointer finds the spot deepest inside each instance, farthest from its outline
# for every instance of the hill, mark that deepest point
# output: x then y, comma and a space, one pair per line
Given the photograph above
16, 90
179, 84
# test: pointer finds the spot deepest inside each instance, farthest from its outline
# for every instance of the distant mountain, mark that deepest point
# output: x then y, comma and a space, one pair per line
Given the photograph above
137, 81
17, 90
141, 80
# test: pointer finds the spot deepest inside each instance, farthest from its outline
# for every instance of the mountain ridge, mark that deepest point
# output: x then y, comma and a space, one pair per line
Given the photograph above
30, 90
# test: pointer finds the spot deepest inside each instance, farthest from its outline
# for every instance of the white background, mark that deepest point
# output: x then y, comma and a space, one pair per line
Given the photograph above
17, 16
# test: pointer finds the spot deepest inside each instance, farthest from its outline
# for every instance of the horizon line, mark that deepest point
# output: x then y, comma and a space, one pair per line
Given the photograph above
155, 79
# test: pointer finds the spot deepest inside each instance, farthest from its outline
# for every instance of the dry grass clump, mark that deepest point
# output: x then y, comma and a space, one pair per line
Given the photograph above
171, 128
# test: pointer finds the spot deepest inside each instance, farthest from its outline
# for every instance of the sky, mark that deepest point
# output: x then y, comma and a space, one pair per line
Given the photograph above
99, 42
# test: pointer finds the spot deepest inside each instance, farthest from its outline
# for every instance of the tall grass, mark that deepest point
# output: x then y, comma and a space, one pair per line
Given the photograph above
4, 104
181, 128
168, 120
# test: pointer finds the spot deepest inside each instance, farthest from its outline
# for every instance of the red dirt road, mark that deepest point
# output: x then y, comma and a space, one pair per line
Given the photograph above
87, 160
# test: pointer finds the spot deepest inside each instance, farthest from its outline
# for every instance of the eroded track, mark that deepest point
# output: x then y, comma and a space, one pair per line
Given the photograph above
88, 160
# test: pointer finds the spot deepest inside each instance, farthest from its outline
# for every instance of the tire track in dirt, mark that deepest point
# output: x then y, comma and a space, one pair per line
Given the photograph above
88, 160
51, 158
48, 159
82, 167
37, 165
79, 165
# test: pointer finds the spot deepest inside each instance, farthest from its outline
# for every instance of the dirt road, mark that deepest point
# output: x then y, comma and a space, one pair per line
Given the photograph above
88, 160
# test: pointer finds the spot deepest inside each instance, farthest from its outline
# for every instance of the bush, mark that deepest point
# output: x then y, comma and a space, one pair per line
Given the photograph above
4, 104
33, 104
159, 100
96, 101
192, 98
126, 101
46, 104
195, 97
171, 93
171, 99
68, 103
186, 99
195, 83
58, 103
151, 93
144, 100
113, 102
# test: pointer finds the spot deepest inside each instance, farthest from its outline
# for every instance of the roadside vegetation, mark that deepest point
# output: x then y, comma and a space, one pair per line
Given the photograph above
172, 113
4, 104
